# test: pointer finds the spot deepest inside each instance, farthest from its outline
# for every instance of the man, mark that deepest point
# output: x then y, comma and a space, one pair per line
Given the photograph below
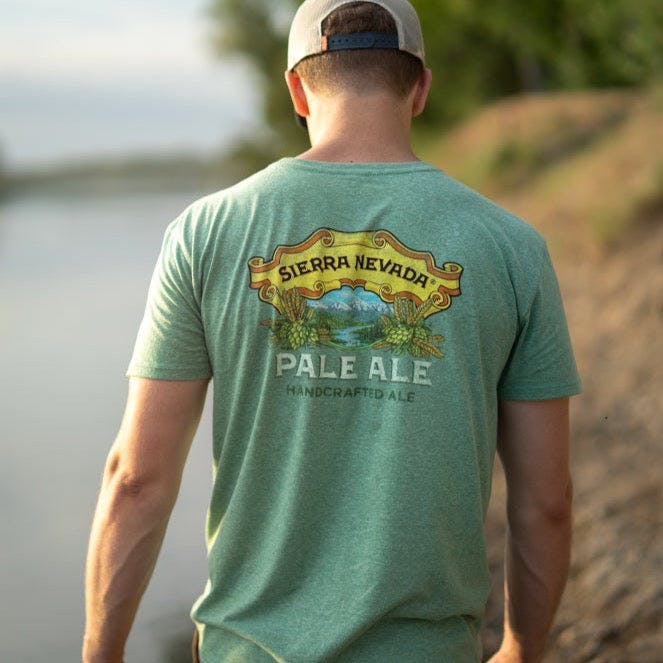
375, 331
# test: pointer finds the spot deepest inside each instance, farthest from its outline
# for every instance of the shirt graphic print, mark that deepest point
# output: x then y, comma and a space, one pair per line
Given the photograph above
347, 292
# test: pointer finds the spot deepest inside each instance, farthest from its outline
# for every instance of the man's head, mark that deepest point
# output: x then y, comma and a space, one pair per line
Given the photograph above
337, 46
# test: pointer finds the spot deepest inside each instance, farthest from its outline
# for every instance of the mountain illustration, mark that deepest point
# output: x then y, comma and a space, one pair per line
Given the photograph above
349, 301
347, 310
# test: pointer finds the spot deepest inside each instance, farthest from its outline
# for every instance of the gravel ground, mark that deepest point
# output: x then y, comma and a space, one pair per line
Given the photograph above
611, 611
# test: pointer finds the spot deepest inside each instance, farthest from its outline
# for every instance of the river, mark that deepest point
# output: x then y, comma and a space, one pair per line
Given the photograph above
73, 279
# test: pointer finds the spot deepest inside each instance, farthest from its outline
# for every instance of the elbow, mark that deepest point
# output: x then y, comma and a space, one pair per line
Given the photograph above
125, 486
128, 492
559, 508
551, 508
130, 486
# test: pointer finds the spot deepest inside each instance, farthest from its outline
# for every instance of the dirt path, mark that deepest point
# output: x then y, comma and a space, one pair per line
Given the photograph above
612, 608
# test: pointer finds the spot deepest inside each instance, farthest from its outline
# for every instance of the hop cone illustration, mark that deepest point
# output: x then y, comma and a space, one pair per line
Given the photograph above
406, 333
294, 328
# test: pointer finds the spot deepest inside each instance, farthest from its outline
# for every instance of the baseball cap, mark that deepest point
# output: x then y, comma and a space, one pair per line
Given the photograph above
306, 36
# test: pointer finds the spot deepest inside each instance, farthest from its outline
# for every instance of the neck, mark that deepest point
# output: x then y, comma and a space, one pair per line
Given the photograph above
370, 129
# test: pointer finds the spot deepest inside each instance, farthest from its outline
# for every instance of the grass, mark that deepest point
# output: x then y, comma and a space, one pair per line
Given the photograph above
582, 167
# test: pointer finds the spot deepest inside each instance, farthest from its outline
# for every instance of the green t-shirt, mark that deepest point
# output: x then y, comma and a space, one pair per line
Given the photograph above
361, 323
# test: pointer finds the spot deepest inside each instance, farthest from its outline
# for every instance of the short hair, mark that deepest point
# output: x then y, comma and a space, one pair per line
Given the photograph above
364, 69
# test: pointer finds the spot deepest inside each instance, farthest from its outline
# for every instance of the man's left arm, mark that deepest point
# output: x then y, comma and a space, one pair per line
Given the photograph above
139, 488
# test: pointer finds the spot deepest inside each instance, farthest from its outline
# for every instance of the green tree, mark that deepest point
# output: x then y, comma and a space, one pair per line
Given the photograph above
4, 177
258, 31
479, 50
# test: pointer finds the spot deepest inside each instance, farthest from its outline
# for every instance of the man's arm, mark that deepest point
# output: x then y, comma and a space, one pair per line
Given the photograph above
139, 489
533, 445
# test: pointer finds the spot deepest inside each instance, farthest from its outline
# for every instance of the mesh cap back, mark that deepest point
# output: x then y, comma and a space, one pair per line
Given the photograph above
306, 29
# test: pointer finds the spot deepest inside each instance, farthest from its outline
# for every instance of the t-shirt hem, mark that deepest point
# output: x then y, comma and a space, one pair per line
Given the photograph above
530, 393
157, 373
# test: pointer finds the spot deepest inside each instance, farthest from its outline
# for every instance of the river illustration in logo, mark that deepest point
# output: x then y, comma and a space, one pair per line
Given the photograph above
355, 291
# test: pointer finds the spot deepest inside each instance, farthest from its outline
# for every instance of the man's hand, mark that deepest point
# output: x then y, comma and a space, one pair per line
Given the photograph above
502, 657
505, 655
533, 445
139, 489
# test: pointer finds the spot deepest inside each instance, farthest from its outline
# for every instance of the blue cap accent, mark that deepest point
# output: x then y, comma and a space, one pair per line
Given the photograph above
362, 40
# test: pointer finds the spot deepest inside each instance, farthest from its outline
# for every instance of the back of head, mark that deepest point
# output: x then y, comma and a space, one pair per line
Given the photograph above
361, 70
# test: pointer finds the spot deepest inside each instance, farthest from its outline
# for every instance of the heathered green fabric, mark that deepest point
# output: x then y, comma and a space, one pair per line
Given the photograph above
351, 481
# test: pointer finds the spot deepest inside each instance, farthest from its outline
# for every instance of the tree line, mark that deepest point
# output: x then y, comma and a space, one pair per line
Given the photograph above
479, 51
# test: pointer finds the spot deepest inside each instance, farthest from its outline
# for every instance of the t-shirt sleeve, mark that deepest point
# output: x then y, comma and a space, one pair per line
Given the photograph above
171, 340
541, 364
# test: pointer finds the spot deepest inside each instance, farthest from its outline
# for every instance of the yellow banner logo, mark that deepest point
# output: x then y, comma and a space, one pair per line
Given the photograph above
376, 261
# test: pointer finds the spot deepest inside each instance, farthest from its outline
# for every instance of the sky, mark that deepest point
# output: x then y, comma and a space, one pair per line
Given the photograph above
115, 77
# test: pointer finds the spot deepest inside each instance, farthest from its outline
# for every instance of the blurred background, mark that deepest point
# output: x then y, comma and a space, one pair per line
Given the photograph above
115, 116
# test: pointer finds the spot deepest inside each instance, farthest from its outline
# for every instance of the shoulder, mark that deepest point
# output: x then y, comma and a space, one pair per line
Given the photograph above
492, 231
484, 213
206, 214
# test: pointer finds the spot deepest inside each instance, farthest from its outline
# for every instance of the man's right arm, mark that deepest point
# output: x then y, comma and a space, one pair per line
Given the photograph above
533, 445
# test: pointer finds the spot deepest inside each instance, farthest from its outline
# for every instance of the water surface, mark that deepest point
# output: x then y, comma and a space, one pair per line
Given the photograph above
73, 279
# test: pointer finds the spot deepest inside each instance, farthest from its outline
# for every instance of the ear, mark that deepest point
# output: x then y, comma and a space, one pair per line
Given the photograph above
297, 93
421, 92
